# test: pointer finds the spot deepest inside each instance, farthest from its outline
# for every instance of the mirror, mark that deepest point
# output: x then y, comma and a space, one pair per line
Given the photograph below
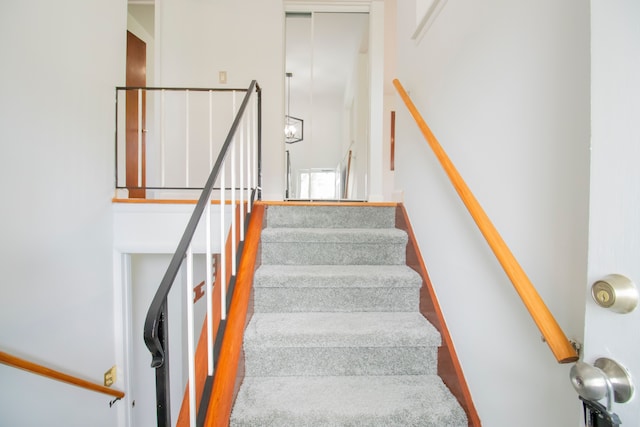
327, 89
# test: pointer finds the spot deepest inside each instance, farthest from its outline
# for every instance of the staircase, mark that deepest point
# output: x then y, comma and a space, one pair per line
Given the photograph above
336, 338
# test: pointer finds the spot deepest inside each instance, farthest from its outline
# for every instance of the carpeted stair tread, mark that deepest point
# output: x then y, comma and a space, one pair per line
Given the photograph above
413, 400
331, 216
334, 246
334, 235
336, 276
359, 329
336, 337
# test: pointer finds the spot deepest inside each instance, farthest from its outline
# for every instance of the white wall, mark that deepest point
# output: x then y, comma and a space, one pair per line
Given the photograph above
60, 63
243, 38
614, 230
146, 271
505, 87
323, 126
390, 104
144, 239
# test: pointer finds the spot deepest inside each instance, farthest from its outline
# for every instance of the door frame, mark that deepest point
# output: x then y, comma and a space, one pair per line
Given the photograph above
135, 156
375, 9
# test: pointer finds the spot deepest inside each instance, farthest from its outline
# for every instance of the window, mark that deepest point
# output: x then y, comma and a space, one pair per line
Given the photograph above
319, 184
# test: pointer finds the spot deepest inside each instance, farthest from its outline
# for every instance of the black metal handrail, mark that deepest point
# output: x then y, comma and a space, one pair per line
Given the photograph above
156, 325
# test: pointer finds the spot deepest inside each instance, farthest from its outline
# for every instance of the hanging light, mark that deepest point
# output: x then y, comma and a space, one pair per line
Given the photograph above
293, 126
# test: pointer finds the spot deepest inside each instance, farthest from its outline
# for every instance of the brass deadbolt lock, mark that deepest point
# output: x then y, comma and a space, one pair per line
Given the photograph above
615, 292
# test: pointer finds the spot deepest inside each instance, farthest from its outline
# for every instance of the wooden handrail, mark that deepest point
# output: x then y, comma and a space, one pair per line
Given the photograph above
553, 335
35, 368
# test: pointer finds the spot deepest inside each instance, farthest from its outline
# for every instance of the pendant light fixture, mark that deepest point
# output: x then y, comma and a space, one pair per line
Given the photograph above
293, 126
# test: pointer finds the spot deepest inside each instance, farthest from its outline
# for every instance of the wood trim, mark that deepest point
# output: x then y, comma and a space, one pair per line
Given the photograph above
321, 203
164, 201
449, 368
392, 148
266, 203
199, 291
222, 395
547, 324
35, 368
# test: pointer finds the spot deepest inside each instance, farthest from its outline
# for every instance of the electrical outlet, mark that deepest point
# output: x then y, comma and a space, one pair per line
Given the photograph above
110, 377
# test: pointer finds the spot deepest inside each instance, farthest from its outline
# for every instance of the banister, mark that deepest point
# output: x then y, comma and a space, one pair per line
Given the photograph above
218, 330
547, 324
155, 313
35, 368
156, 322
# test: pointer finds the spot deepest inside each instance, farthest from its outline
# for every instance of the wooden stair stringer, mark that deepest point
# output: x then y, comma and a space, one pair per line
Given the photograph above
449, 368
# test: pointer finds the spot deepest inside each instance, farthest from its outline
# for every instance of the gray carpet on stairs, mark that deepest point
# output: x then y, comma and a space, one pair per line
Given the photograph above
336, 338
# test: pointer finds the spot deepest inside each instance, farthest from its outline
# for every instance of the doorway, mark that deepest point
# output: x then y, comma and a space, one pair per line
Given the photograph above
327, 87
140, 60
136, 116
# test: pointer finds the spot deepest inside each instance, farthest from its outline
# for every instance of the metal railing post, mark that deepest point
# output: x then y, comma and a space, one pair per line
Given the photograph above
163, 395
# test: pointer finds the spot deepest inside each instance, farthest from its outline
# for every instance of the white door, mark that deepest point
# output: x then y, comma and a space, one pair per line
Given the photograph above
614, 228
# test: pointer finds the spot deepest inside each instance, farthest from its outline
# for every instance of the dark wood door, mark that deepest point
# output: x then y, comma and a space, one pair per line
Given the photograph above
135, 155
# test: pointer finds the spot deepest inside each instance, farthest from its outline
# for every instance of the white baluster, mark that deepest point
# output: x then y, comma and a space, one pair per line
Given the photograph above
186, 166
223, 252
162, 160
139, 137
249, 154
190, 340
210, 130
233, 196
255, 144
241, 162
209, 286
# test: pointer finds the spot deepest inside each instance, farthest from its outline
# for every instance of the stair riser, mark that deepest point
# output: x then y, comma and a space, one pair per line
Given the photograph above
306, 253
272, 300
314, 361
330, 217
342, 276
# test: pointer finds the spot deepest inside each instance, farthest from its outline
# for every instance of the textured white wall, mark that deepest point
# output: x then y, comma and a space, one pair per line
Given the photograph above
614, 229
505, 87
60, 63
